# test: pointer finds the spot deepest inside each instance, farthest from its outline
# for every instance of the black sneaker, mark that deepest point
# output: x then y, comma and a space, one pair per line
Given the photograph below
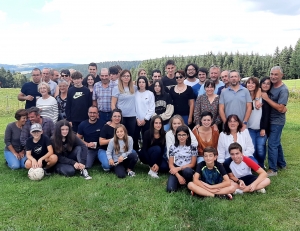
47, 172
84, 173
224, 196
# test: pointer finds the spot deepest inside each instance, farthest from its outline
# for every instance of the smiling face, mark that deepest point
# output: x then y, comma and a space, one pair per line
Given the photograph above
170, 69
206, 121
175, 124
120, 133
233, 124
236, 155
77, 82
156, 76
157, 88
202, 76
191, 71
23, 120
93, 114
266, 85
143, 73
179, 78
93, 70
90, 81
157, 124
251, 85
63, 87
209, 158
34, 118
224, 76
116, 118
46, 75
209, 90
276, 76
234, 79
182, 137
64, 130
126, 77
214, 73
43, 89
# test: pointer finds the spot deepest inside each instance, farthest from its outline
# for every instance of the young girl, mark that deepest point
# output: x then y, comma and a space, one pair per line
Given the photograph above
119, 153
182, 159
153, 150
70, 150
175, 122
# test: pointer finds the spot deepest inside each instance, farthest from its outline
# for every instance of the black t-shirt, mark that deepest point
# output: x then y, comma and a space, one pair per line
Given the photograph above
169, 82
151, 88
38, 149
90, 132
107, 132
30, 88
96, 79
181, 101
211, 176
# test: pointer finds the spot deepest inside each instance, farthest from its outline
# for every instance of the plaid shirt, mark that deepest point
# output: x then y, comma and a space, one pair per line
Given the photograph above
103, 96
47, 125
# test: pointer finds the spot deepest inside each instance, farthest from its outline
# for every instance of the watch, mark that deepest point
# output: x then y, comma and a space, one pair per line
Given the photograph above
245, 123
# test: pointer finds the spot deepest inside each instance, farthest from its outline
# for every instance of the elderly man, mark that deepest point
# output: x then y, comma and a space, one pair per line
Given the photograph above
46, 78
29, 91
279, 98
214, 74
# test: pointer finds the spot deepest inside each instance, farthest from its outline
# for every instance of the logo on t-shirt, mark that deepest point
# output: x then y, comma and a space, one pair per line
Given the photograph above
37, 149
77, 95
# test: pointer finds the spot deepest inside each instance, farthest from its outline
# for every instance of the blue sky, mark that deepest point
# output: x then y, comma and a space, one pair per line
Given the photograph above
83, 31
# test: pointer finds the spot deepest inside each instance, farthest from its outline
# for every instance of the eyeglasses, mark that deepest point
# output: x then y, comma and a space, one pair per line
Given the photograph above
192, 69
93, 112
179, 77
64, 75
181, 135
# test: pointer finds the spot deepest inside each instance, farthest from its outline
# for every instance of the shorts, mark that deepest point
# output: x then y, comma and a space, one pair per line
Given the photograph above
249, 179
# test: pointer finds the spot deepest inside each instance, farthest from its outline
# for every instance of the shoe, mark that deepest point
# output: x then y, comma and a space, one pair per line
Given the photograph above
262, 190
283, 168
46, 172
224, 196
131, 173
270, 172
238, 191
153, 174
84, 173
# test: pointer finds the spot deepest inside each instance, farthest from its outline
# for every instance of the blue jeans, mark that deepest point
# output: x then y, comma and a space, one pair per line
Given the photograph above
154, 155
275, 152
103, 159
13, 162
259, 143
104, 117
185, 119
173, 183
91, 156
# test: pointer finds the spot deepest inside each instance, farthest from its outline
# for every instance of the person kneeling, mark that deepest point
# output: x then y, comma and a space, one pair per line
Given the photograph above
39, 151
182, 159
70, 150
210, 178
239, 170
119, 153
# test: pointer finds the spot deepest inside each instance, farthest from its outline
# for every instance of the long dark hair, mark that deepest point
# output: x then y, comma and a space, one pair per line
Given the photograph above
184, 129
226, 127
162, 87
162, 133
57, 137
146, 82
263, 80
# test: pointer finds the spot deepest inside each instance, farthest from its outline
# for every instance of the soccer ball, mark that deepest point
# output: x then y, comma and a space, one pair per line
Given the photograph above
36, 173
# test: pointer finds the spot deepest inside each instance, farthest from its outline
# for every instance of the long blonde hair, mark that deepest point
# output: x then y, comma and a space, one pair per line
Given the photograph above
116, 139
130, 83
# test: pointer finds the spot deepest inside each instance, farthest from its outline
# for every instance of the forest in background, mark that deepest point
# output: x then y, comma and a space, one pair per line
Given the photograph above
247, 64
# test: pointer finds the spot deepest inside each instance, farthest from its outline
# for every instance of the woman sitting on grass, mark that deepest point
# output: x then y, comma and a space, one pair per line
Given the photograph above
153, 150
182, 159
14, 153
119, 153
70, 150
210, 178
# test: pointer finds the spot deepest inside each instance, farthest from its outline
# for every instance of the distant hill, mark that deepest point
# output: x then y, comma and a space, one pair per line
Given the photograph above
83, 68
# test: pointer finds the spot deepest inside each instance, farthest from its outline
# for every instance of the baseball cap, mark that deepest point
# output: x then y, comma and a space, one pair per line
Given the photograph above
36, 127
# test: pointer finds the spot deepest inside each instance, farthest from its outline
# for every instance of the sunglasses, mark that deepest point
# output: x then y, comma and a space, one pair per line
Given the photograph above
64, 75
179, 77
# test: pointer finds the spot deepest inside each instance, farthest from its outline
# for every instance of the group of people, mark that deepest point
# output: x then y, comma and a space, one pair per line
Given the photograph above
206, 132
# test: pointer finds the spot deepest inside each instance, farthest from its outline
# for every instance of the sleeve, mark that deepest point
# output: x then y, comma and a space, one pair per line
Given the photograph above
284, 96
221, 169
8, 135
109, 150
248, 96
221, 148
221, 100
81, 128
28, 145
55, 110
201, 90
227, 167
190, 92
25, 134
69, 105
199, 167
248, 148
47, 141
151, 109
84, 149
193, 138
115, 92
254, 166
172, 150
194, 151
130, 147
169, 141
170, 108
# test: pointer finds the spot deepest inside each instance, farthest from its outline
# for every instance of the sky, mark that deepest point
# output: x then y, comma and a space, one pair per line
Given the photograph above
84, 31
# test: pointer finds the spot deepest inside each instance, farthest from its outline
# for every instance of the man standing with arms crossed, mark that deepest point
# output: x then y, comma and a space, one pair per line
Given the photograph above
279, 94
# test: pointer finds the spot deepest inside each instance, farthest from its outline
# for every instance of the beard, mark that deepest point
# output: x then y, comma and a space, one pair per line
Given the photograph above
192, 76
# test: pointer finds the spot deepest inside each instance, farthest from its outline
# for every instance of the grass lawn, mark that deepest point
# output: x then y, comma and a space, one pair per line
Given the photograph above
142, 203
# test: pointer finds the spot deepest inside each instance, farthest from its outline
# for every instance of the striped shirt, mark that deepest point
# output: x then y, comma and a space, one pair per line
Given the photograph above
48, 108
103, 96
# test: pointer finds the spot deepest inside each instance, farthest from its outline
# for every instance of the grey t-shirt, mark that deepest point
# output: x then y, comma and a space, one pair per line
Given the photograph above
235, 102
110, 152
279, 95
12, 137
126, 101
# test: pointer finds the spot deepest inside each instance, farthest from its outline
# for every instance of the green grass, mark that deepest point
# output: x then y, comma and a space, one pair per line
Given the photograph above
142, 203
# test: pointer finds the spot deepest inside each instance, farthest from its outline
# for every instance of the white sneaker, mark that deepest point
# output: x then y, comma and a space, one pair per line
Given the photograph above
238, 191
262, 190
153, 174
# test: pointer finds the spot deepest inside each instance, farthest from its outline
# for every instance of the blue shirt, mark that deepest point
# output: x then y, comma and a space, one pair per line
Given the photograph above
30, 88
89, 131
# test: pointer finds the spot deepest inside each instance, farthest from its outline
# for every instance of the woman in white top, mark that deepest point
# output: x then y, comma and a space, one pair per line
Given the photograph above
123, 97
233, 133
175, 122
47, 104
144, 107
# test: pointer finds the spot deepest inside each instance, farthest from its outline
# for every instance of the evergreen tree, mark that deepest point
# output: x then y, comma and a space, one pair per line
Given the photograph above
295, 61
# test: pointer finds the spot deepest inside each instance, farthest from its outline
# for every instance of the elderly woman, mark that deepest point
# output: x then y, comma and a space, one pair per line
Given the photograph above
14, 153
62, 99
47, 104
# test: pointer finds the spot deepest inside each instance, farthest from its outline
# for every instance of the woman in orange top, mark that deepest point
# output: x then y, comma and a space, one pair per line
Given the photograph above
205, 134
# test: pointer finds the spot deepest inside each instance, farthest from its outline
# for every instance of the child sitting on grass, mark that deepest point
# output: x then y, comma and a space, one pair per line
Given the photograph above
239, 170
119, 153
39, 151
210, 178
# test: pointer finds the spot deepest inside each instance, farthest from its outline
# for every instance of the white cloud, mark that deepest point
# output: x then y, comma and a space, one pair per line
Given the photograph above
91, 30
2, 16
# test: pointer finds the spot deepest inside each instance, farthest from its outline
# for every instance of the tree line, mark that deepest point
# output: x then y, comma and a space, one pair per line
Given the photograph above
247, 64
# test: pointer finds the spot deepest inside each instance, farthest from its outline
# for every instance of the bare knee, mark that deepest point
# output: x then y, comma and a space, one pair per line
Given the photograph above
28, 164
